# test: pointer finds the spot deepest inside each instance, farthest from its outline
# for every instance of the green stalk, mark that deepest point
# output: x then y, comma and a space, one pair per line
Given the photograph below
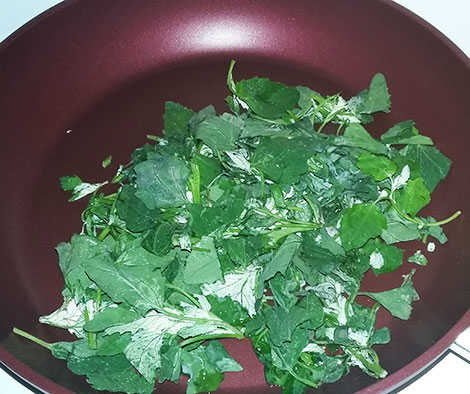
216, 320
32, 338
418, 221
261, 175
98, 298
372, 316
285, 222
188, 341
195, 183
185, 293
338, 131
230, 82
303, 380
276, 235
91, 336
444, 221
374, 366
104, 233
329, 118
155, 138
349, 301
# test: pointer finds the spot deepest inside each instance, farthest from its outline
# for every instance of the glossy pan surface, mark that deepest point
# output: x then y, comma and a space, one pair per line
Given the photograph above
89, 79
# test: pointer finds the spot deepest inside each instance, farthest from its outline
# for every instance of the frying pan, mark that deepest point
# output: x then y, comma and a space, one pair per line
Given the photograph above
89, 78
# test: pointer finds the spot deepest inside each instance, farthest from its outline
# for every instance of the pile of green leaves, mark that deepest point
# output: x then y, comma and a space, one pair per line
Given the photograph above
249, 224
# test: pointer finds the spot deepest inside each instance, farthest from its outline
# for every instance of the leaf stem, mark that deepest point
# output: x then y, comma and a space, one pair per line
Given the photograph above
230, 82
420, 222
209, 336
91, 336
374, 367
220, 323
303, 380
444, 221
284, 222
185, 293
349, 301
32, 338
403, 214
104, 233
195, 183
372, 317
329, 118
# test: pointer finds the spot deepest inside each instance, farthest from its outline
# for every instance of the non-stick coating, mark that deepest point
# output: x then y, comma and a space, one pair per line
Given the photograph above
90, 78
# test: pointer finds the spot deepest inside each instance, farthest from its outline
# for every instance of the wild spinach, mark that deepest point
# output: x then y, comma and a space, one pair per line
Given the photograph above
250, 224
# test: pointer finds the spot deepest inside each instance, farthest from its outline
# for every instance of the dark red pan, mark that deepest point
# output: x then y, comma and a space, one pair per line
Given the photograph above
103, 70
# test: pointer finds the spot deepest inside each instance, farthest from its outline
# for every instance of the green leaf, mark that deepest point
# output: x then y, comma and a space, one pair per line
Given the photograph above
150, 333
110, 317
176, 121
203, 375
110, 345
228, 310
79, 188
209, 168
380, 337
434, 231
70, 315
382, 258
219, 133
377, 166
286, 354
311, 307
418, 258
113, 373
283, 160
161, 182
282, 258
205, 220
378, 97
433, 165
282, 324
72, 259
293, 386
202, 266
356, 104
367, 360
283, 289
140, 287
170, 362
237, 250
218, 356
360, 223
357, 136
159, 240
413, 197
321, 251
133, 254
307, 96
201, 116
398, 301
238, 285
68, 183
107, 161
398, 229
265, 98
134, 212
260, 128
405, 133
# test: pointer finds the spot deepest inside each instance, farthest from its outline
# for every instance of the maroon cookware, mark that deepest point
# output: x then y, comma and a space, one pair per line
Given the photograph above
89, 78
